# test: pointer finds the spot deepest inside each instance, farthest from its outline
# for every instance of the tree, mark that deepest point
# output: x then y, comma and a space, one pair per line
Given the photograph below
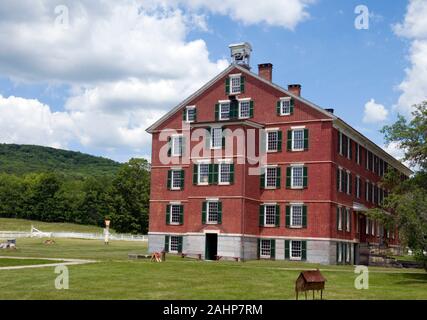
407, 200
130, 197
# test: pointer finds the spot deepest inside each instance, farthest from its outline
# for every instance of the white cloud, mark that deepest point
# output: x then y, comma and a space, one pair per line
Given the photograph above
28, 121
374, 112
414, 27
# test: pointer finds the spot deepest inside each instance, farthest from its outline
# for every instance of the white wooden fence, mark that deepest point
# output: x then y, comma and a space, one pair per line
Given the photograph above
73, 235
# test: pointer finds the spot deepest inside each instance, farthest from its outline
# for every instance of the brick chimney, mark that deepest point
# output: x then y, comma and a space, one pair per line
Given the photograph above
265, 70
295, 89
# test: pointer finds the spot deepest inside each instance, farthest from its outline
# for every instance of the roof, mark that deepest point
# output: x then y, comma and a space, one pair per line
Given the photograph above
313, 276
337, 121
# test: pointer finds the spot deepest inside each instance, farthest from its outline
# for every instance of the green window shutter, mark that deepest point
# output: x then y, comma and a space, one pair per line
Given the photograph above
288, 177
288, 216
338, 179
183, 145
304, 216
337, 250
231, 173
289, 142
277, 215
251, 109
169, 179
350, 183
273, 249
219, 212
303, 250
179, 244
350, 142
339, 142
278, 108
227, 85
279, 140
261, 215
287, 243
184, 114
168, 215
204, 206
344, 252
195, 174
215, 168
338, 217
208, 138
242, 84
351, 216
262, 178
195, 114
181, 214
343, 218
211, 174
169, 146
258, 248
305, 177
182, 178
217, 112
166, 244
305, 139
223, 139
278, 177
292, 105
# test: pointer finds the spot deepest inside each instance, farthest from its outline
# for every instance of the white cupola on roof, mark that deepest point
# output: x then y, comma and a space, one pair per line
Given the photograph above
241, 53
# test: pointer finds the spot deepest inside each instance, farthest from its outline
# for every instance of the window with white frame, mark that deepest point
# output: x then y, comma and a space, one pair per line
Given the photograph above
203, 173
175, 214
212, 214
270, 215
272, 140
244, 109
177, 145
340, 179
174, 244
216, 138
235, 82
265, 248
339, 217
296, 250
348, 219
176, 179
191, 113
297, 139
224, 172
358, 187
296, 215
348, 181
297, 177
270, 177
224, 111
285, 107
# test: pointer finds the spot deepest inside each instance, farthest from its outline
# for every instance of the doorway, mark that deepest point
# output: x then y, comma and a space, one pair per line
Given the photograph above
211, 246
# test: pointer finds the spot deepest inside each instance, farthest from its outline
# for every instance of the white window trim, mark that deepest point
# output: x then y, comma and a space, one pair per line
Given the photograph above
220, 164
199, 175
221, 102
340, 257
293, 137
173, 144
291, 257
231, 76
281, 106
186, 113
265, 180
265, 215
212, 140
262, 256
244, 100
292, 213
170, 212
207, 211
347, 257
172, 179
347, 187
340, 226
292, 177
347, 219
266, 139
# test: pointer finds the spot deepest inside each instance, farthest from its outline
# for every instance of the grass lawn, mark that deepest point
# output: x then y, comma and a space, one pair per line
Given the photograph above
7, 224
9, 262
116, 277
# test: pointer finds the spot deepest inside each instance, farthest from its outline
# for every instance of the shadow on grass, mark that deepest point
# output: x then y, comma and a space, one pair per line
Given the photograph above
413, 278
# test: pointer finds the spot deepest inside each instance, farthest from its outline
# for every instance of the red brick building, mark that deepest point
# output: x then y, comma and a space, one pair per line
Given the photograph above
306, 201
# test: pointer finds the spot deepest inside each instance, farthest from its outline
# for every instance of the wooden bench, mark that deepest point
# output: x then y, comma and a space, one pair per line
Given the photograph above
220, 257
139, 256
197, 255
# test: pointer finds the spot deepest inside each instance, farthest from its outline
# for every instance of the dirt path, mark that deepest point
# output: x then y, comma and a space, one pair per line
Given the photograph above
63, 262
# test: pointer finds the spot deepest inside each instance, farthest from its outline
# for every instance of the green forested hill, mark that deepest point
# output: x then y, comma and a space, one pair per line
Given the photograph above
23, 159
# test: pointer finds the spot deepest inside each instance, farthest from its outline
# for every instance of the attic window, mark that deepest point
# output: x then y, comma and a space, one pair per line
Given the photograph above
191, 113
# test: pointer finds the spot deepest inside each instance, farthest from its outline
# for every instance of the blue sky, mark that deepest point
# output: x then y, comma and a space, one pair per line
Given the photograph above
94, 85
